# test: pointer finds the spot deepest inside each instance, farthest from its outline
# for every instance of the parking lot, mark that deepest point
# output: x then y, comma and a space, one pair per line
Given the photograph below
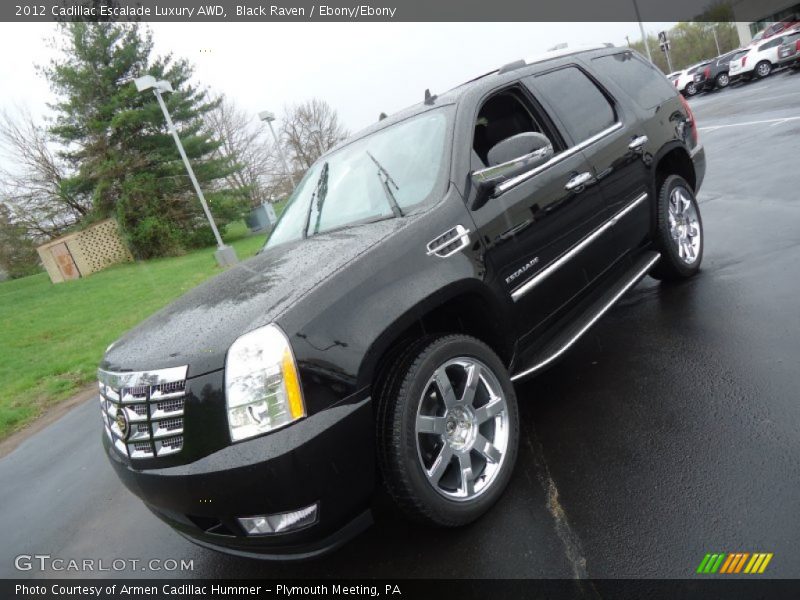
671, 430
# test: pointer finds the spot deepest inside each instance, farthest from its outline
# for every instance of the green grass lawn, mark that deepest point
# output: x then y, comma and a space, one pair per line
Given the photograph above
53, 336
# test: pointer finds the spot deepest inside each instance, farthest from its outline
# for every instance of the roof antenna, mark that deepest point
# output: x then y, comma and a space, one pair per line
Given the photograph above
428, 98
381, 116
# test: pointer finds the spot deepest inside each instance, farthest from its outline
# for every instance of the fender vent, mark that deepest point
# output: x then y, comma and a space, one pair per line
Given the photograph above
450, 242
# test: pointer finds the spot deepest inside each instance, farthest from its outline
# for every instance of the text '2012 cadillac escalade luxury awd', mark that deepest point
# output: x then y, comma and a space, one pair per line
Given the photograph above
418, 270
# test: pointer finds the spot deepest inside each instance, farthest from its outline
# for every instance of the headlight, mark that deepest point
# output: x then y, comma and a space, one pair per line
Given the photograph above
262, 387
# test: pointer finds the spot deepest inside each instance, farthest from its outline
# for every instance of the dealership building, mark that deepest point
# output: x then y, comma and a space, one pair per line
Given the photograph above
771, 11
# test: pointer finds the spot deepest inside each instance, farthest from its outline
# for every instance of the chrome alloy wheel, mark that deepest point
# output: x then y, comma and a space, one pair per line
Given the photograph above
684, 225
462, 429
763, 69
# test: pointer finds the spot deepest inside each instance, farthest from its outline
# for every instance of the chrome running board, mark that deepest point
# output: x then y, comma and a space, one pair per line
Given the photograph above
564, 340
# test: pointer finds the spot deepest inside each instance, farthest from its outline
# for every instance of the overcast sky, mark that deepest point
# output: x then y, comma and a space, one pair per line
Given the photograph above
361, 69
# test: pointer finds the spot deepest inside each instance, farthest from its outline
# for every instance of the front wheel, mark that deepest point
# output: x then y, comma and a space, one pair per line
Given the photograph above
691, 89
723, 80
763, 69
450, 433
679, 235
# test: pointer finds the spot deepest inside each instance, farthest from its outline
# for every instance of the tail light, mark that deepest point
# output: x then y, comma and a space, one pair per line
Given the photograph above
675, 82
744, 60
707, 72
797, 45
690, 118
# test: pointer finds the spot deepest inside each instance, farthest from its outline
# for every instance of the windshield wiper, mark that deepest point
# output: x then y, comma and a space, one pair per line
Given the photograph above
386, 179
320, 192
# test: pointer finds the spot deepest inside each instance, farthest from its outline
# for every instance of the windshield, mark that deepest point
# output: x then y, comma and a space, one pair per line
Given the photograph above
383, 175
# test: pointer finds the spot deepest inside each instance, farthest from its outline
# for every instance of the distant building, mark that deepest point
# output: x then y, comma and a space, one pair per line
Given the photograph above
770, 11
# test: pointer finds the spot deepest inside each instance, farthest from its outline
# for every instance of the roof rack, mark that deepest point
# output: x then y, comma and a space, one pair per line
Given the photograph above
512, 66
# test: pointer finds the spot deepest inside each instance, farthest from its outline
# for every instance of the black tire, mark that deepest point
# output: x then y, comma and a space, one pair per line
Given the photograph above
398, 439
672, 265
762, 69
691, 89
722, 81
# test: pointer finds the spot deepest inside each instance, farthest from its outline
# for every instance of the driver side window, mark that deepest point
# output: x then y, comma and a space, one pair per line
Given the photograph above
502, 116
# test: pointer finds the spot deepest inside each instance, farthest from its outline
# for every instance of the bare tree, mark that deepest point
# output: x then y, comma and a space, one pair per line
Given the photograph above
246, 143
310, 129
35, 187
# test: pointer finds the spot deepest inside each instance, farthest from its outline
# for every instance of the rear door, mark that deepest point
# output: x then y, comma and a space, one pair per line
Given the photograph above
612, 140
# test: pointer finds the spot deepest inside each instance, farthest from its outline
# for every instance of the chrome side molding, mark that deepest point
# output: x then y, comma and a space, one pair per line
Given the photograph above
572, 252
596, 317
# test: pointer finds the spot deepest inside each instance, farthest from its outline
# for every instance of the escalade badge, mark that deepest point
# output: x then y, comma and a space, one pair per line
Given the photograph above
522, 269
122, 423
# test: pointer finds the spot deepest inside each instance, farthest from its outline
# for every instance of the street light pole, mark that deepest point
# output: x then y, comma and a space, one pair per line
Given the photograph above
269, 117
641, 29
225, 255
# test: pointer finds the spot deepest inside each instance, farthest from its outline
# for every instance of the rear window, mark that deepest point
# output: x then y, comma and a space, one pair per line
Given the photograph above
577, 101
639, 79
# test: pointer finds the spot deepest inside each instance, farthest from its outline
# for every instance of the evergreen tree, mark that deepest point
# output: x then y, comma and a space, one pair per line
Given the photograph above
118, 145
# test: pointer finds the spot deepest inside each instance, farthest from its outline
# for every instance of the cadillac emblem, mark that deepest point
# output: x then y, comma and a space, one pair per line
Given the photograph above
122, 423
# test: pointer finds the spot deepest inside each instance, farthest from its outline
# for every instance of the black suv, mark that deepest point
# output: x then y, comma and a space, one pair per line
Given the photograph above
715, 74
417, 272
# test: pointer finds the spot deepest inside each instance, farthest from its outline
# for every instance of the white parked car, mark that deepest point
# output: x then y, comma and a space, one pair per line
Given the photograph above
758, 62
684, 82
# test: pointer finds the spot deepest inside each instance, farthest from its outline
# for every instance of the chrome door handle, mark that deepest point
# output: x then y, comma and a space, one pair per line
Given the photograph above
638, 143
579, 181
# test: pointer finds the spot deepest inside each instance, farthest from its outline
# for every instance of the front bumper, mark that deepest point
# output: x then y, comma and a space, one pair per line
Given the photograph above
327, 459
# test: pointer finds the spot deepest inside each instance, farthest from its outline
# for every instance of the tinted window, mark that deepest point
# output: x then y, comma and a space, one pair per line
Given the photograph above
770, 44
639, 79
577, 101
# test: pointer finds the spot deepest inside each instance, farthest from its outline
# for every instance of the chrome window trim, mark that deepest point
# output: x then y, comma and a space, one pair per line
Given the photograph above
523, 177
488, 174
136, 378
569, 254
569, 343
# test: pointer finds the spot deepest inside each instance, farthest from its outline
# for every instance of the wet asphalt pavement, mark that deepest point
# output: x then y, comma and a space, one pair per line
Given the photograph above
671, 430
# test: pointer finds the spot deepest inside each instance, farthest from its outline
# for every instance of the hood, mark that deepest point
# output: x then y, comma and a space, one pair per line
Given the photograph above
199, 327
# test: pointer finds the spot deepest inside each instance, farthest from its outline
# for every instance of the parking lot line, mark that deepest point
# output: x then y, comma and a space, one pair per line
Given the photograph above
745, 123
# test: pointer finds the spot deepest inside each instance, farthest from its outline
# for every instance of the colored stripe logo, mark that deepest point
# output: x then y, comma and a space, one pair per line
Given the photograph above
734, 562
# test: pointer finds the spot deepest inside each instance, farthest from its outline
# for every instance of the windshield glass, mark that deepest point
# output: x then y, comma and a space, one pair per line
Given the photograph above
382, 175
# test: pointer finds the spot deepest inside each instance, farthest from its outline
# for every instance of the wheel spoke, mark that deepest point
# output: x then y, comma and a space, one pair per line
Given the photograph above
440, 465
467, 476
488, 450
471, 385
490, 410
445, 387
426, 424
689, 250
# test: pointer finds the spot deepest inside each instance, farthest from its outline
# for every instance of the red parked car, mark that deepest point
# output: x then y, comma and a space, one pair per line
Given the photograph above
775, 29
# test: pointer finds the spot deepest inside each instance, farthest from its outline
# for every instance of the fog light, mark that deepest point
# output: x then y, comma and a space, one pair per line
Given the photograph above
279, 522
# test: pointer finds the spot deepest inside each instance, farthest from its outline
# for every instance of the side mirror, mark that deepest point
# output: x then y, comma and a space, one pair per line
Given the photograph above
507, 159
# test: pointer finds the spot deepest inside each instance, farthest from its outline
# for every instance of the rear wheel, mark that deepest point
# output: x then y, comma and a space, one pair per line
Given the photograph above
450, 432
679, 235
763, 69
691, 89
722, 80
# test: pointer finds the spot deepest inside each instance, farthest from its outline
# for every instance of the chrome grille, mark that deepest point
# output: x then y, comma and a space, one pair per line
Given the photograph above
150, 405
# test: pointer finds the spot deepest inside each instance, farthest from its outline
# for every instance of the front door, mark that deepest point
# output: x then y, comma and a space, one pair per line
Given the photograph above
532, 226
